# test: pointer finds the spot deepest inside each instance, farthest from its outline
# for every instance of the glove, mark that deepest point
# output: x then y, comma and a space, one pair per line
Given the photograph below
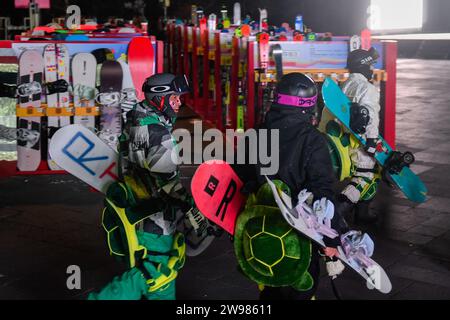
334, 268
371, 146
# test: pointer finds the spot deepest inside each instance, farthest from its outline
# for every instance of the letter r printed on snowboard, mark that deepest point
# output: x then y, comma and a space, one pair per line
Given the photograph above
80, 152
216, 190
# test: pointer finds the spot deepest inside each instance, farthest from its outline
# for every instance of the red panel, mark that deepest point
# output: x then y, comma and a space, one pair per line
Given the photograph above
195, 68
160, 60
43, 4
250, 116
389, 91
234, 82
170, 55
179, 68
204, 107
217, 67
187, 70
6, 44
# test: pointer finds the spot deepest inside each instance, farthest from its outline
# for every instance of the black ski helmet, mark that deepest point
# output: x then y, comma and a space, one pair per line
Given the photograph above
360, 61
297, 90
159, 87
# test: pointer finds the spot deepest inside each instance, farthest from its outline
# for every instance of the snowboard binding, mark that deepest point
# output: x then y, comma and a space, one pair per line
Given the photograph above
394, 165
202, 225
214, 230
29, 89
29, 136
397, 161
84, 93
58, 86
8, 90
129, 94
358, 248
109, 138
32, 88
109, 98
8, 84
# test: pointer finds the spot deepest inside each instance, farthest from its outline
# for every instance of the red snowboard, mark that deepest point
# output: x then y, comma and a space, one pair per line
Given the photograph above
216, 191
366, 39
141, 59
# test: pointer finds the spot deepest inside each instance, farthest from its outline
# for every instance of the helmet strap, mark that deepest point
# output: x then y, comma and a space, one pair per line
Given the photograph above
160, 107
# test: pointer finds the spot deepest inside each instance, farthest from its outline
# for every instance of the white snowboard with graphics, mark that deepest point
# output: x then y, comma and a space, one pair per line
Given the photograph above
366, 267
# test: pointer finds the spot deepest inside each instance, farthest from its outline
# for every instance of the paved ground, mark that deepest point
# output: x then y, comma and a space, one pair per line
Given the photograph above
50, 222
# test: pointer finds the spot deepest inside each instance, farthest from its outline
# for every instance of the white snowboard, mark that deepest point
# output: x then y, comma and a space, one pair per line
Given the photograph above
237, 14
355, 43
375, 275
84, 66
63, 61
31, 68
80, 152
51, 75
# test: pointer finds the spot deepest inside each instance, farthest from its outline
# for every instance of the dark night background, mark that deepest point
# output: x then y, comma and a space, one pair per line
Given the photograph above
342, 17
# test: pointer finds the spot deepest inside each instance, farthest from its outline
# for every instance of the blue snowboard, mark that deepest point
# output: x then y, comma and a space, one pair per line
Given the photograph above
339, 105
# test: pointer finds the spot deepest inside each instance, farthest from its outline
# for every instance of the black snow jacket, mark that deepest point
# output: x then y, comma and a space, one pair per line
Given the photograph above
305, 161
304, 156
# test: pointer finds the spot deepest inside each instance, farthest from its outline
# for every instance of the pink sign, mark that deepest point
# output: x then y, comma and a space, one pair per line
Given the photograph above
43, 4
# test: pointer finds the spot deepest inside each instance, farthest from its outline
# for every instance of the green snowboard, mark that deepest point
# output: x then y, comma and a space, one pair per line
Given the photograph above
395, 164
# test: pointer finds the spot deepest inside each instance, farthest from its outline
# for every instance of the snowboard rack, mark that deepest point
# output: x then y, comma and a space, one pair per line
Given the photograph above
87, 111
211, 61
59, 112
24, 112
319, 75
8, 87
44, 110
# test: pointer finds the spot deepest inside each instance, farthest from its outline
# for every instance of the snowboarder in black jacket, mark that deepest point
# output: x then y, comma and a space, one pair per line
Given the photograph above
305, 162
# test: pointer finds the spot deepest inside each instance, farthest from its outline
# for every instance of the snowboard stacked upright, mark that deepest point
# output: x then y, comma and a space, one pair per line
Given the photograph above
109, 98
141, 57
129, 97
84, 67
57, 68
31, 72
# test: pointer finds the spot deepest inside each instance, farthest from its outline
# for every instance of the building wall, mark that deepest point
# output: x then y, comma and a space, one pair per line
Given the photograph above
436, 16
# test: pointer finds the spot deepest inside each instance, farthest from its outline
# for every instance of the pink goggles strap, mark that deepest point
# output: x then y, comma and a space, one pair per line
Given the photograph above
296, 101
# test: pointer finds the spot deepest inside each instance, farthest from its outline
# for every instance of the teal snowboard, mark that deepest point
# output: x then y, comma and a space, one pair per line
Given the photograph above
395, 165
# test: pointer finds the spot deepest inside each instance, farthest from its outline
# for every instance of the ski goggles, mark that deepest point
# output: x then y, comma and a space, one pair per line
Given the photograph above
180, 85
296, 101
